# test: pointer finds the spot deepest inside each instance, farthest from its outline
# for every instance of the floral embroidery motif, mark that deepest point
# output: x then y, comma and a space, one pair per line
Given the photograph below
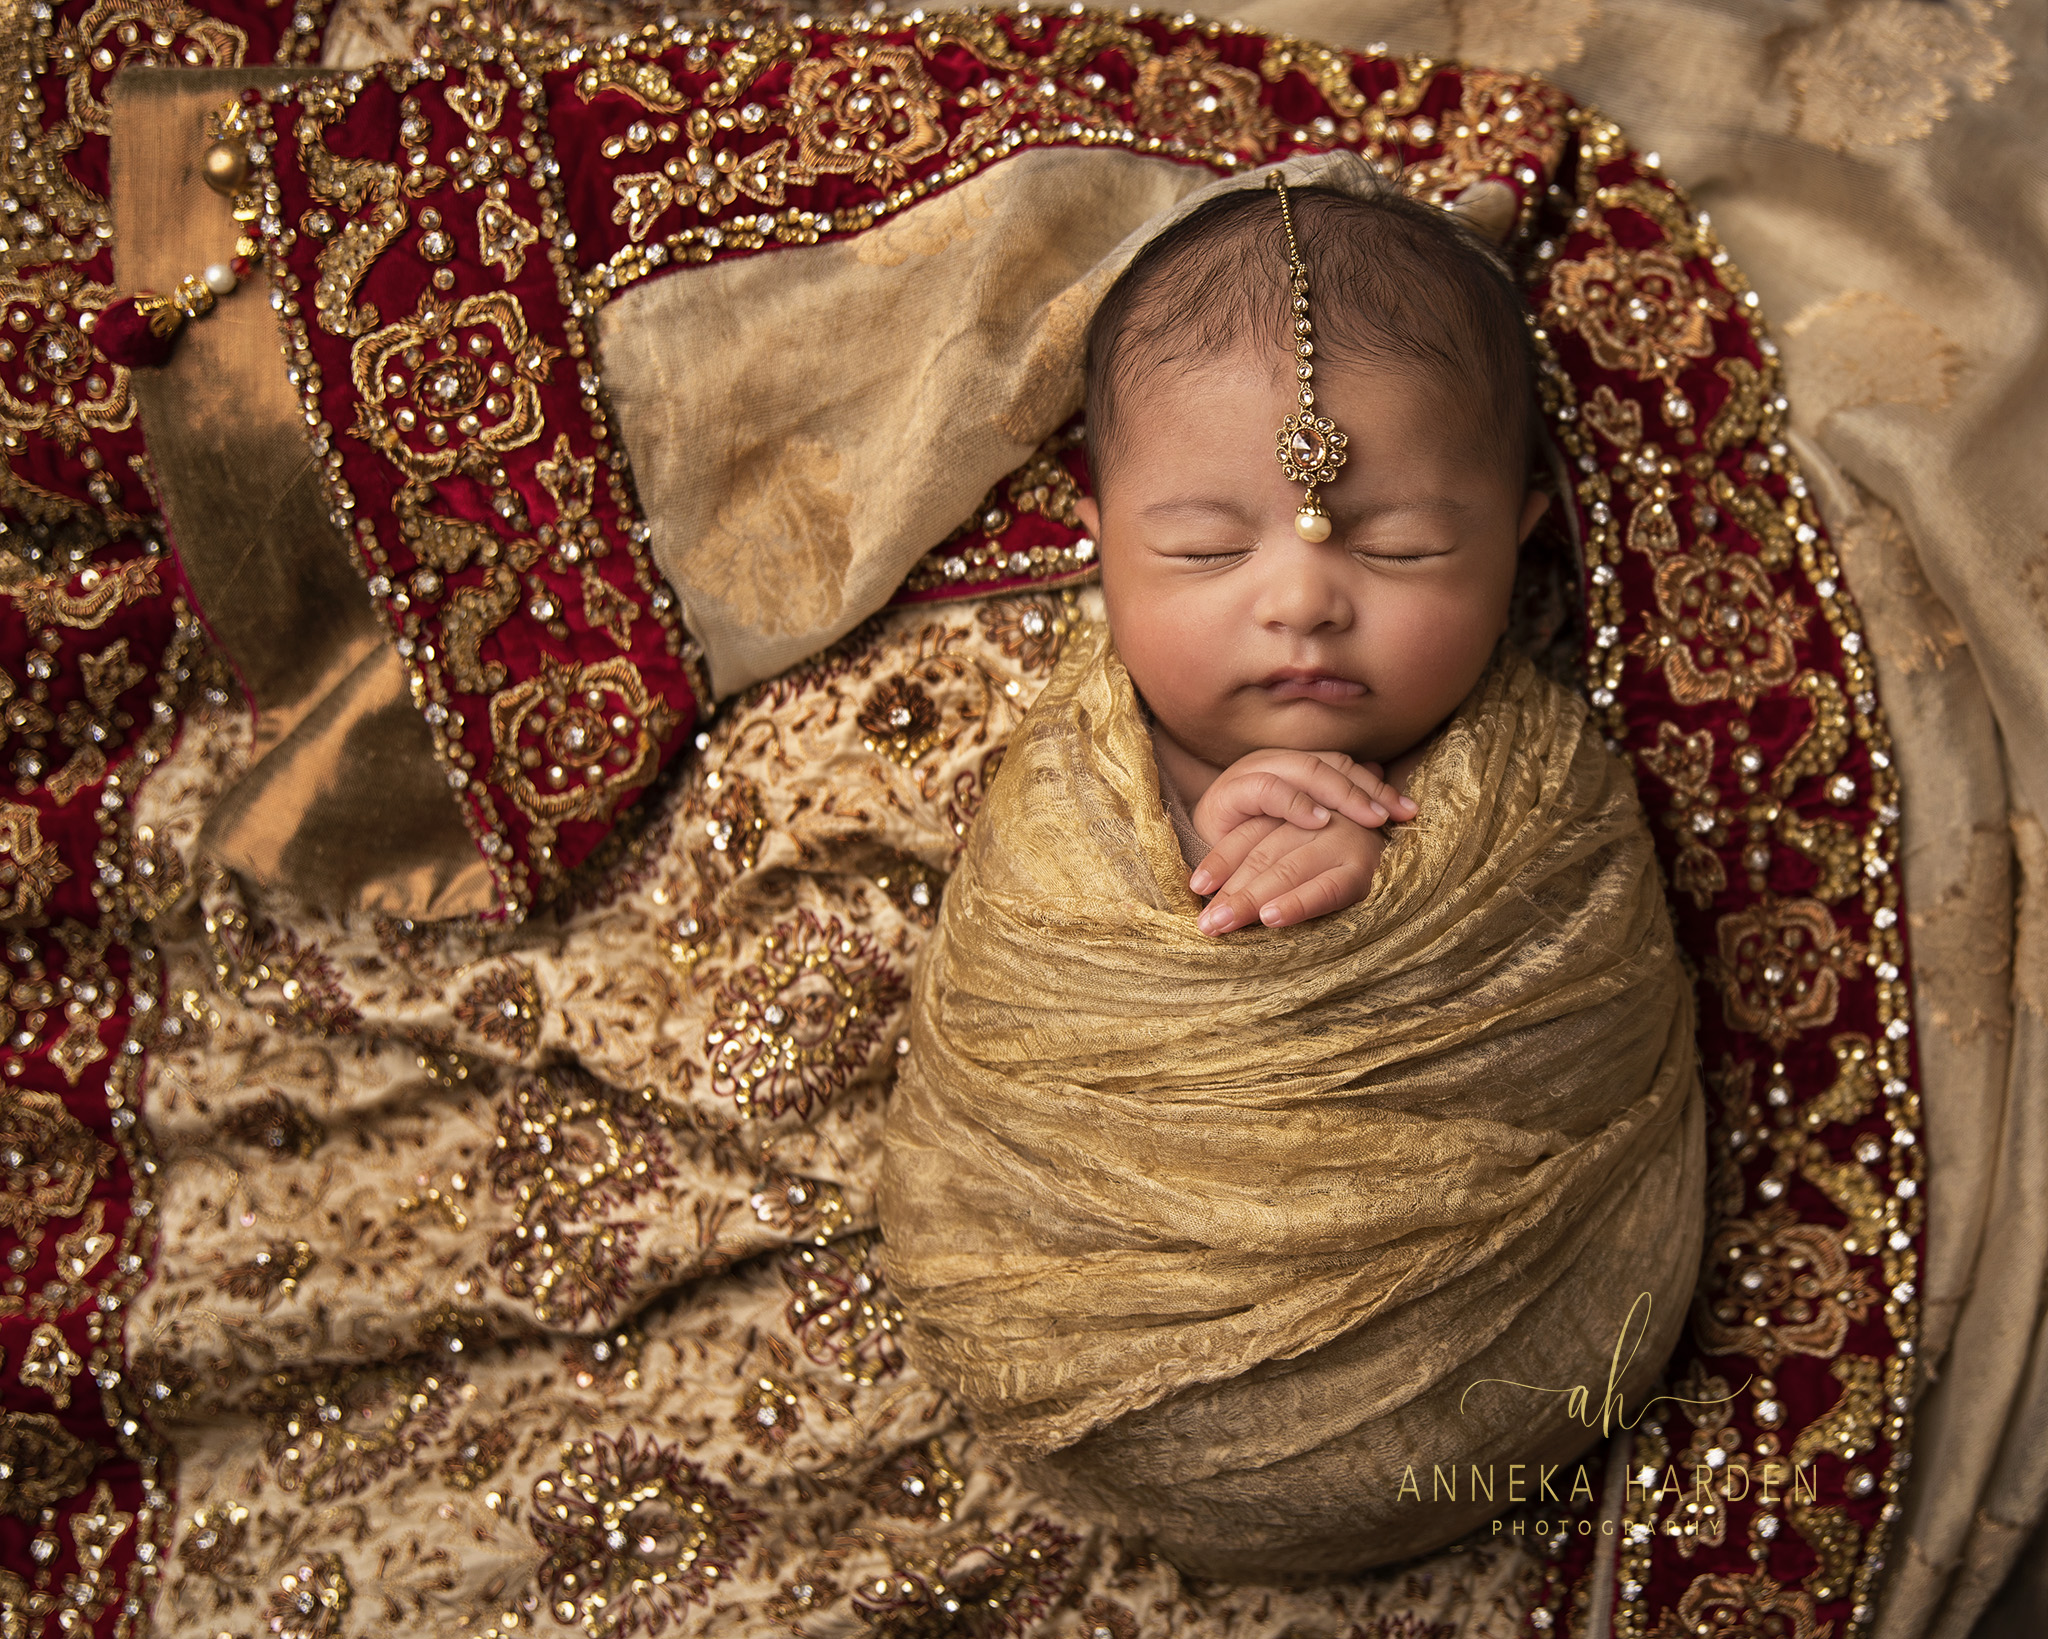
334, 1434
1011, 1579
900, 720
803, 1019
51, 1162
840, 1311
1780, 968
51, 379
634, 1534
569, 1148
916, 1484
503, 1007
1720, 631
1215, 105
468, 374
311, 1600
768, 1414
1640, 311
1780, 1287
574, 741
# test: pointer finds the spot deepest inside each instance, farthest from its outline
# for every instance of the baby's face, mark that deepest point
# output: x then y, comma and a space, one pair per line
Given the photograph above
1240, 635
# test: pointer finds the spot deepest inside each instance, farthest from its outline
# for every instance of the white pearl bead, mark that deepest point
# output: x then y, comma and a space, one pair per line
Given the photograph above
220, 278
1311, 526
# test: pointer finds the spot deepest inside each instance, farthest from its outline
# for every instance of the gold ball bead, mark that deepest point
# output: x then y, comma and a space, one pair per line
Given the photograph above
1312, 525
226, 165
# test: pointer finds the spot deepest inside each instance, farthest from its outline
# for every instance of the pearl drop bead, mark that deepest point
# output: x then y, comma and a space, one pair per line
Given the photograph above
1311, 526
220, 278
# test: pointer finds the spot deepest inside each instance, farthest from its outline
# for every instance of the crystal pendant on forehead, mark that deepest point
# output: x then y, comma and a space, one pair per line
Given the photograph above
1310, 447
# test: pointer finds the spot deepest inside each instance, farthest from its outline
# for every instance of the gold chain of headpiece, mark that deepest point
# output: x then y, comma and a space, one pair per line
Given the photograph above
1311, 449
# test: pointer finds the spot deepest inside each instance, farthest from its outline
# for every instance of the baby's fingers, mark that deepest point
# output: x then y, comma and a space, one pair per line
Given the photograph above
1221, 862
1369, 789
1282, 797
1335, 889
1277, 863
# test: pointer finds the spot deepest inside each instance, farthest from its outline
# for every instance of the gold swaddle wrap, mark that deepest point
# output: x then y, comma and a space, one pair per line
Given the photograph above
1217, 1232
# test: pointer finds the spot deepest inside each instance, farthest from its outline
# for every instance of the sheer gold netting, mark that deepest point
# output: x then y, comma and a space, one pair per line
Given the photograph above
1225, 1229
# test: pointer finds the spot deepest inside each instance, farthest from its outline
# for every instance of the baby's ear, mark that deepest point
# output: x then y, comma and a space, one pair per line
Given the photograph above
1534, 505
1091, 518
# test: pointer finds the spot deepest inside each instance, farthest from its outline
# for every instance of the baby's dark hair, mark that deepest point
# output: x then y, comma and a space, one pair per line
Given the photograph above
1392, 282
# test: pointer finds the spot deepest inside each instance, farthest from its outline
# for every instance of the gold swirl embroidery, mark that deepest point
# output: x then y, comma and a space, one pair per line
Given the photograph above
473, 614
1685, 763
1639, 311
1078, 43
349, 185
1618, 420
646, 83
47, 600
644, 196
29, 866
882, 119
1330, 73
1760, 519
59, 386
444, 544
42, 1463
61, 1161
1821, 745
1744, 415
479, 100
1194, 92
608, 609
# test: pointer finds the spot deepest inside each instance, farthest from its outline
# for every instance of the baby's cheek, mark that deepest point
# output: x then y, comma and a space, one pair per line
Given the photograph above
1429, 647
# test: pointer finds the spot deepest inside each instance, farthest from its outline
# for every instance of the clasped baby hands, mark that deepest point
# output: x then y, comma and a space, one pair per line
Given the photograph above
1292, 835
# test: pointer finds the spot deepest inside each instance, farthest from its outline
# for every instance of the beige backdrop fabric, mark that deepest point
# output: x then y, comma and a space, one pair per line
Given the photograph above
1876, 169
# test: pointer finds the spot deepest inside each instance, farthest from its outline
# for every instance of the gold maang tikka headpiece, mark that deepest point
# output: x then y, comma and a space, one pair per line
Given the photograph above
1311, 448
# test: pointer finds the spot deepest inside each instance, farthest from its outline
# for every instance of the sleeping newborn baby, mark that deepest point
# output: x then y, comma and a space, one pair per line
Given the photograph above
1226, 1219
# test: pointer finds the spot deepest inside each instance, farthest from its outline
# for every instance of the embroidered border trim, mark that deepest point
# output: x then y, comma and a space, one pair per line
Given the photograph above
421, 267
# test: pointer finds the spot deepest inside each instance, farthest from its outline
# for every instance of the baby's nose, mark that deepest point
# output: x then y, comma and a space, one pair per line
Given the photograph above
1305, 597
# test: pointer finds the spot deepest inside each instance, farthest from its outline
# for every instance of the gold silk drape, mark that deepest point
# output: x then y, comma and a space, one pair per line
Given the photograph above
1223, 1230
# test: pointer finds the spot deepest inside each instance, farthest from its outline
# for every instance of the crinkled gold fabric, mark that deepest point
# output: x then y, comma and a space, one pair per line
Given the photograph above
1222, 1231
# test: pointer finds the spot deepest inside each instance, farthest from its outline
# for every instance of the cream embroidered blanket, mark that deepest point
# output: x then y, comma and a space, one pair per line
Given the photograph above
1223, 1230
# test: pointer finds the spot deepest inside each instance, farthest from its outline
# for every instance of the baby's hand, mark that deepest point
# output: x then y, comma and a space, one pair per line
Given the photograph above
1301, 788
1280, 874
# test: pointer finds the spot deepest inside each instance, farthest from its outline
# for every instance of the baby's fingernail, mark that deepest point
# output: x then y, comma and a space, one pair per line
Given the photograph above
1210, 920
1270, 915
1321, 813
1200, 882
1379, 814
